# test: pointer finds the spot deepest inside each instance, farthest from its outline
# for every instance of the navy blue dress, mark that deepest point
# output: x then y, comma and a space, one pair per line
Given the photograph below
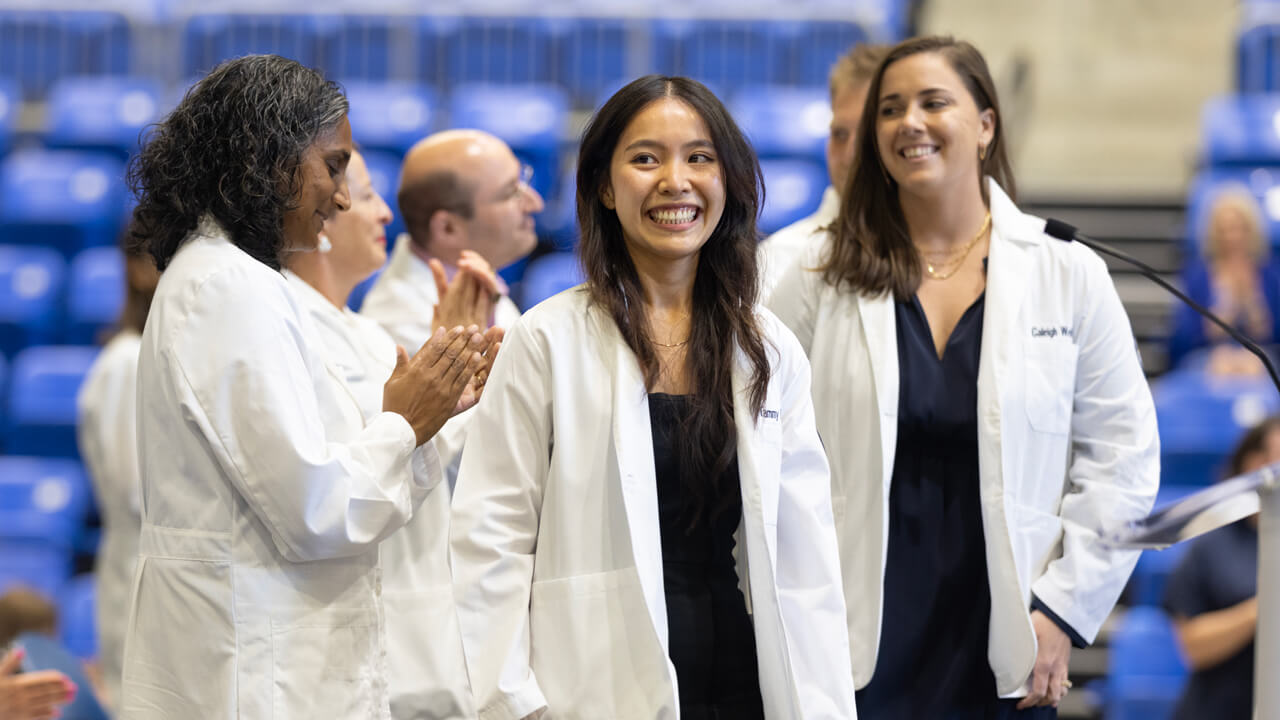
932, 661
1219, 570
710, 635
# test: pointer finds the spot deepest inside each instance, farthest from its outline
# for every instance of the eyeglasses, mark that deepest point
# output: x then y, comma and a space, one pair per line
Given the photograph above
526, 176
521, 186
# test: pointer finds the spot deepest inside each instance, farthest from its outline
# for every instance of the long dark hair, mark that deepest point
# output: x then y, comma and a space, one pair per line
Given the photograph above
232, 149
724, 288
871, 252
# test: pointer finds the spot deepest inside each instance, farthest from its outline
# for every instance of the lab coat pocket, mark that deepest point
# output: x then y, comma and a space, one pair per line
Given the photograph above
594, 650
1035, 537
1050, 373
326, 665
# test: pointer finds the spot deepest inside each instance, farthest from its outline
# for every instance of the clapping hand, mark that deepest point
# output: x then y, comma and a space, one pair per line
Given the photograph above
467, 300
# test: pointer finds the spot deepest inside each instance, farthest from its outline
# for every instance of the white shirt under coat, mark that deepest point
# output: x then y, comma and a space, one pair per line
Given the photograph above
265, 494
428, 677
781, 250
555, 543
1067, 441
106, 429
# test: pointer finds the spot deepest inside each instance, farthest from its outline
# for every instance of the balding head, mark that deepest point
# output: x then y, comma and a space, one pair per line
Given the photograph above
461, 190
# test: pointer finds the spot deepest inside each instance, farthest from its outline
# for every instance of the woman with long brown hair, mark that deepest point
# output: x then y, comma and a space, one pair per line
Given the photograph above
980, 399
645, 449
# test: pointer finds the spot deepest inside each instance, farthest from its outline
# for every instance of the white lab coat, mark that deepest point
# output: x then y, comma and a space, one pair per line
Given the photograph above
107, 434
555, 544
264, 497
1067, 440
427, 675
783, 248
403, 301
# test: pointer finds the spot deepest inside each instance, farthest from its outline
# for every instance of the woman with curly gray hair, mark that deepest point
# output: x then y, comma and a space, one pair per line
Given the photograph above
264, 491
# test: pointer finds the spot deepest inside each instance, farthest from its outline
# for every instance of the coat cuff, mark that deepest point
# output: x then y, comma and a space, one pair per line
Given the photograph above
1076, 639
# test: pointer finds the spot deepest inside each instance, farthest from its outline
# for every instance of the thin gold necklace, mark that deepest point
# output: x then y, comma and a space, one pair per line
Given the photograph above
675, 345
936, 275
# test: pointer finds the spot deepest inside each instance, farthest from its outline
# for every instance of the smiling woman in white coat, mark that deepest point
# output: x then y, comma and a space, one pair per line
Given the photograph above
642, 525
979, 394
265, 492
427, 678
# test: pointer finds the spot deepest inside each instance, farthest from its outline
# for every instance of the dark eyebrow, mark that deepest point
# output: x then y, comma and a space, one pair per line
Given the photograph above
340, 155
923, 93
700, 143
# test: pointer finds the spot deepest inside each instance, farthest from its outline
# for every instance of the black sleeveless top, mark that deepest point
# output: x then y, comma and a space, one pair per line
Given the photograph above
711, 637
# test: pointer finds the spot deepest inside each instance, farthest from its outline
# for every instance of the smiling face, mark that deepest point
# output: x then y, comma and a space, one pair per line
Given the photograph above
359, 234
665, 184
322, 186
929, 130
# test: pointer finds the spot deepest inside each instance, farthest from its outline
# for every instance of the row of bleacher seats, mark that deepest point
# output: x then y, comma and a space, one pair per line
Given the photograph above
584, 55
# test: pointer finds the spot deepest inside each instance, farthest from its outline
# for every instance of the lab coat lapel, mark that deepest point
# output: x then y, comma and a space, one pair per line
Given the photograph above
880, 327
633, 442
759, 453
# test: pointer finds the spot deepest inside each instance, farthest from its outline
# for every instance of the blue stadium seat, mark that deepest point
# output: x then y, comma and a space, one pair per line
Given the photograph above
725, 54
95, 294
550, 274
358, 48
816, 48
592, 56
42, 401
530, 118
1258, 50
35, 565
101, 113
9, 100
1146, 669
77, 616
384, 172
210, 38
38, 47
784, 121
31, 291
1146, 586
1202, 418
793, 190
390, 116
4, 395
61, 198
557, 224
42, 500
502, 50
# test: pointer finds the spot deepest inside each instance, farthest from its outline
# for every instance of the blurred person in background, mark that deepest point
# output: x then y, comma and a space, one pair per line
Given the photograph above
265, 490
427, 676
463, 194
106, 428
1212, 597
848, 81
978, 390
1235, 281
645, 458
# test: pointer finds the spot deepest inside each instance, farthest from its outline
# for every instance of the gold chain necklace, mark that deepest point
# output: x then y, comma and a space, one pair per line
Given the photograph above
964, 253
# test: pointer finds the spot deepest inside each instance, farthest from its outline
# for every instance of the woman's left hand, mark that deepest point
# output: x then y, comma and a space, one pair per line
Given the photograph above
475, 386
1049, 678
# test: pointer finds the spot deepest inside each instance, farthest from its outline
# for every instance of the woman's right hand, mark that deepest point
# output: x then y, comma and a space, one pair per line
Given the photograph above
34, 695
425, 389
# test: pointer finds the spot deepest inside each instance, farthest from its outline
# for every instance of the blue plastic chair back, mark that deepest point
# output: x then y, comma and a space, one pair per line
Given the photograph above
359, 48
592, 56
1200, 420
210, 38
95, 294
502, 50
44, 653
1146, 669
42, 403
9, 101
529, 118
548, 275
31, 290
101, 113
62, 198
77, 616
1146, 585
727, 54
793, 190
558, 221
816, 48
785, 121
42, 500
38, 47
1258, 50
35, 565
390, 116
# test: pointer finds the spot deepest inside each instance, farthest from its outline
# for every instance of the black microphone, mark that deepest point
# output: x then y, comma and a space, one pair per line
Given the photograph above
1066, 232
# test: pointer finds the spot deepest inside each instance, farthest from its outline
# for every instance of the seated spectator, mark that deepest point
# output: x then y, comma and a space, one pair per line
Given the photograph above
1212, 596
1233, 281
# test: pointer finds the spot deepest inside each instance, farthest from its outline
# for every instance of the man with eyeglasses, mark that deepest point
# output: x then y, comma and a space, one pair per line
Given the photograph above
461, 191
467, 205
